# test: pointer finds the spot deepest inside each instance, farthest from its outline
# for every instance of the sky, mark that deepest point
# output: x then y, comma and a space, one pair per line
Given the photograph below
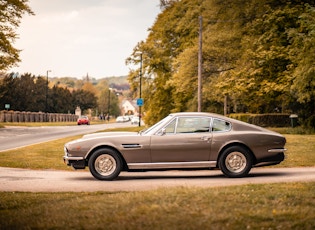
76, 38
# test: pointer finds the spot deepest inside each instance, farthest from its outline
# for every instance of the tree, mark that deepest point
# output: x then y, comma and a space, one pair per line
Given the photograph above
302, 54
258, 54
170, 35
88, 86
11, 12
28, 93
60, 100
23, 92
84, 99
108, 103
40, 94
8, 88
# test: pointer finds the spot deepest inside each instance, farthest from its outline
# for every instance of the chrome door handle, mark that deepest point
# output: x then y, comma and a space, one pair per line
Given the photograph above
205, 138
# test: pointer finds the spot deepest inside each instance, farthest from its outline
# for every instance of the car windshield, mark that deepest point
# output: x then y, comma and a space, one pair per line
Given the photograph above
156, 127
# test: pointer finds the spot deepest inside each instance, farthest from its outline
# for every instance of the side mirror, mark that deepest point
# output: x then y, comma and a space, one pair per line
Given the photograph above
162, 132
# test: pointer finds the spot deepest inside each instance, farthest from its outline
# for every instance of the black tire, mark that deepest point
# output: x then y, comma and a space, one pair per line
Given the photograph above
105, 164
235, 161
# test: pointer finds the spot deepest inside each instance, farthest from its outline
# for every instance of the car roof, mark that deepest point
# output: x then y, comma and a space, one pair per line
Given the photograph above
199, 114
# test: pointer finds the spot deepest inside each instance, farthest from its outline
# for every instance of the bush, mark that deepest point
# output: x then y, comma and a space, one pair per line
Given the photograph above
265, 120
310, 122
241, 116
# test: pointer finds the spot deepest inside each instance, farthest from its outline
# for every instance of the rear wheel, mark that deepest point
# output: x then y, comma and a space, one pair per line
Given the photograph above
105, 164
235, 161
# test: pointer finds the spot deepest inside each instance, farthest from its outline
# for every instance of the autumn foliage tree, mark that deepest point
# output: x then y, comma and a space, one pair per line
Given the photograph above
11, 12
258, 57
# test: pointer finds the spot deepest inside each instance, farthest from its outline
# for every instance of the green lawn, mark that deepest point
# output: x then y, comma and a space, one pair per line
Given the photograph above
301, 151
266, 206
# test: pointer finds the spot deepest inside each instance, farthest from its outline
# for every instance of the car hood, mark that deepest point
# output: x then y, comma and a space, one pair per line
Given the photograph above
109, 134
87, 139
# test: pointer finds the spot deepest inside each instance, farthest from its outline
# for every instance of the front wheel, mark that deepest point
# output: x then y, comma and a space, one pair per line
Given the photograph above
235, 161
105, 164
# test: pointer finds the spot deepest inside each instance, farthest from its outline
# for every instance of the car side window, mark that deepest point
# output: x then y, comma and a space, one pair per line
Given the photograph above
193, 124
220, 125
170, 128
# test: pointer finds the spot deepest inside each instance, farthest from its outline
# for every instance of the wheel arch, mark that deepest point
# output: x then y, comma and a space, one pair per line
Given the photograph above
125, 167
239, 145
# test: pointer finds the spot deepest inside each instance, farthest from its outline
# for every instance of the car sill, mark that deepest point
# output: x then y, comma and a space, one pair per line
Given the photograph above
170, 165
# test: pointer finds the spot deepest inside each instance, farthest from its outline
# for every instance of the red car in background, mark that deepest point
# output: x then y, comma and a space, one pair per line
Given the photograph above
83, 120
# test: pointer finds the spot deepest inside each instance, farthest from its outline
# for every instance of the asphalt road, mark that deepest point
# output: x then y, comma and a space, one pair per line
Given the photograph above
16, 137
12, 179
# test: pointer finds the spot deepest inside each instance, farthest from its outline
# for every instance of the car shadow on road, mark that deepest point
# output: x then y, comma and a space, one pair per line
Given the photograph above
171, 176
214, 176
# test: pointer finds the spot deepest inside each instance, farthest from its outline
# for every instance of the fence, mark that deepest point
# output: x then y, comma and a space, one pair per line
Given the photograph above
16, 116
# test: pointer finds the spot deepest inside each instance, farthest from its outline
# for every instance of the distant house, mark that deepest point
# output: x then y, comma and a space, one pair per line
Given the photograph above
128, 107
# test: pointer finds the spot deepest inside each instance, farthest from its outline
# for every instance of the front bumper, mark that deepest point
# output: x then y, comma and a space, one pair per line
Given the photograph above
75, 162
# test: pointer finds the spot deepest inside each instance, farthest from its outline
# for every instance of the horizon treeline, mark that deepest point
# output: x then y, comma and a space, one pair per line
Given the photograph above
27, 92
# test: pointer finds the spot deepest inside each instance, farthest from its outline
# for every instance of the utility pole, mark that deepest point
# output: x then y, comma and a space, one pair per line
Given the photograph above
46, 105
108, 105
140, 75
200, 66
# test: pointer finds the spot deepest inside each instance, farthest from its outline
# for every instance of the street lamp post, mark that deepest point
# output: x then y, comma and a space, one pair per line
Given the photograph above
46, 106
200, 66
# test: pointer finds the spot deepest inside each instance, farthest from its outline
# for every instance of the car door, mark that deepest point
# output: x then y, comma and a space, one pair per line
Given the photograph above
184, 139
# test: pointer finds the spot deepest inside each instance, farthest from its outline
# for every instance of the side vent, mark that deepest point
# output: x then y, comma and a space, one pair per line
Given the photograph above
131, 146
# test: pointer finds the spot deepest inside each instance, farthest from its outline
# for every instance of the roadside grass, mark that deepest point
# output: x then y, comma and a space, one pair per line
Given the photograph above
295, 130
262, 206
300, 151
47, 155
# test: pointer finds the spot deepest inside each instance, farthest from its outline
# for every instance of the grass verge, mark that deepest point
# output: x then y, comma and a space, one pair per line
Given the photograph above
46, 155
301, 151
270, 206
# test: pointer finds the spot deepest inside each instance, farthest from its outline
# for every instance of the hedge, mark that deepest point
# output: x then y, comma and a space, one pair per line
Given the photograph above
264, 120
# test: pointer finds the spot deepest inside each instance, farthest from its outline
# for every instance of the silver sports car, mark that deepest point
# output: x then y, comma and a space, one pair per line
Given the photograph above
180, 141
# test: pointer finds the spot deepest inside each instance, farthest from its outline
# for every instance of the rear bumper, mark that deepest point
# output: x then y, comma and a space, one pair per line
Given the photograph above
282, 150
275, 159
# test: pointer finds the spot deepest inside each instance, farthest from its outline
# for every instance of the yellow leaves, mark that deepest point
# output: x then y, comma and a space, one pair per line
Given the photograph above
90, 88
